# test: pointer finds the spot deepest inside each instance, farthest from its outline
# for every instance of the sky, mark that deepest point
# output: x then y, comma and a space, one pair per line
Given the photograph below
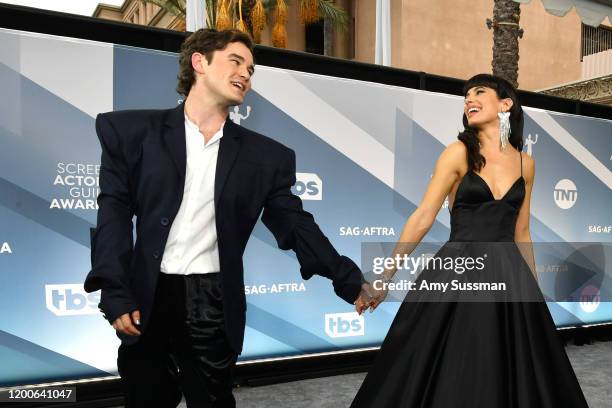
82, 7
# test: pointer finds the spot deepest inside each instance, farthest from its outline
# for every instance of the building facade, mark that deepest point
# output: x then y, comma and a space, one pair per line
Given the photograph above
443, 37
138, 12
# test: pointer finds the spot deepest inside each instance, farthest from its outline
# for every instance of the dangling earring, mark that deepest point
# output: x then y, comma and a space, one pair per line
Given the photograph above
504, 128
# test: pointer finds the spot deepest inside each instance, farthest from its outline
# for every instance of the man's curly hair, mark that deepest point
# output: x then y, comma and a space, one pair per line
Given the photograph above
206, 42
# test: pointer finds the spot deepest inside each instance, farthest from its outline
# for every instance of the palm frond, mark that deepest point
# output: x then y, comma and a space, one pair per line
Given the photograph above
279, 32
174, 7
224, 20
211, 13
269, 4
258, 19
309, 11
240, 24
336, 16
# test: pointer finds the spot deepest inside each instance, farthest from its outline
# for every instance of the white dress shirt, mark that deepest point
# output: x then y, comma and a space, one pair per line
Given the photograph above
192, 243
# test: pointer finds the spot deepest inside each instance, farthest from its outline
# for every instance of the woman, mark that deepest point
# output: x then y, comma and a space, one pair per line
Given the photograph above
453, 350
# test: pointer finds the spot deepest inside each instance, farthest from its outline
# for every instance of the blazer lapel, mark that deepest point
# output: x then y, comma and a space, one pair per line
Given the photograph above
174, 137
228, 151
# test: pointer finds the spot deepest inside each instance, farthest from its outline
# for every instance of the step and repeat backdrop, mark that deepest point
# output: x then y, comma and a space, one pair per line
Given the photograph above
365, 153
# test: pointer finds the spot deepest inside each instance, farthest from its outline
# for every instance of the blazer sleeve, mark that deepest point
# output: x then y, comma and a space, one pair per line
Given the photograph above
112, 243
295, 229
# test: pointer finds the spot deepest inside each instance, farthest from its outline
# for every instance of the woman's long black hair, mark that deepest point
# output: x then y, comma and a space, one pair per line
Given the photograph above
469, 136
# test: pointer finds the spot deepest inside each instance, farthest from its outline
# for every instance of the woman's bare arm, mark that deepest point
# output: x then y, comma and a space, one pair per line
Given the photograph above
522, 234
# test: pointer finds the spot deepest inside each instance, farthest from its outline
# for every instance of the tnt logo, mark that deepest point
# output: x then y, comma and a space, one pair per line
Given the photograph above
71, 300
565, 194
344, 324
308, 186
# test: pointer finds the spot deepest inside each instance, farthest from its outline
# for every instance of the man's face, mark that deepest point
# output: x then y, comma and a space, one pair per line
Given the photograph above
228, 76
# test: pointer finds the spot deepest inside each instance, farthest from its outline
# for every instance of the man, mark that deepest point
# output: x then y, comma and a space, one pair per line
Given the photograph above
197, 184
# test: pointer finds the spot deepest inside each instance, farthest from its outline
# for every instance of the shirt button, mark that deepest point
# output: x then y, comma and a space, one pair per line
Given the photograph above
156, 254
164, 221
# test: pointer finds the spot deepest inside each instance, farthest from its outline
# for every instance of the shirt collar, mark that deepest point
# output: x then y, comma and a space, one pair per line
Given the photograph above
194, 129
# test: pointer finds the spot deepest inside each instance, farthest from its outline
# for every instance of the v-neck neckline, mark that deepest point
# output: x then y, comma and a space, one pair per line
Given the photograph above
491, 191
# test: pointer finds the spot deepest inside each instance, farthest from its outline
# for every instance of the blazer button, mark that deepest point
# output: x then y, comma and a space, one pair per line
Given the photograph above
156, 254
164, 221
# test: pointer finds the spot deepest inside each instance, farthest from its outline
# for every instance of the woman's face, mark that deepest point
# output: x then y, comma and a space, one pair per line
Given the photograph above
482, 106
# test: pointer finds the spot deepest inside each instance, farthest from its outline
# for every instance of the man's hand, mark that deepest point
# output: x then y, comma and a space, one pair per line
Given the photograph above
369, 298
365, 297
126, 323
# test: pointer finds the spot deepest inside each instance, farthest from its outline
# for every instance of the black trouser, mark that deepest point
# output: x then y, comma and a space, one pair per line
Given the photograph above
184, 348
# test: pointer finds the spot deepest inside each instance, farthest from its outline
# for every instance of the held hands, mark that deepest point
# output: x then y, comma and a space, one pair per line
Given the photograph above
370, 298
128, 323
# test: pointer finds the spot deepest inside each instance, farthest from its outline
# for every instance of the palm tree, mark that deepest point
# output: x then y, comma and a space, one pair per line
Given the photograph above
335, 18
252, 15
506, 32
174, 7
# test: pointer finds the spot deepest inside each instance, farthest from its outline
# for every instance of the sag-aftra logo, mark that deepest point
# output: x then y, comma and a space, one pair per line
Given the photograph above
5, 248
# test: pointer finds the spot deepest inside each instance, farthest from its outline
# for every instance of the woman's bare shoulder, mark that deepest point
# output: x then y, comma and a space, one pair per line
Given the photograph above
454, 155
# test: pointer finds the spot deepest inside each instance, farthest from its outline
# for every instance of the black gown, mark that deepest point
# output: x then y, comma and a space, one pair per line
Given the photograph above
441, 352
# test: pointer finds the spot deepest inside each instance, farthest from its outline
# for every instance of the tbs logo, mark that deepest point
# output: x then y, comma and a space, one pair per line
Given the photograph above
71, 300
308, 186
344, 324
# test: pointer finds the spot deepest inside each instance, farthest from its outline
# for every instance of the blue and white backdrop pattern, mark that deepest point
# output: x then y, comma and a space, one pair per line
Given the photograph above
365, 153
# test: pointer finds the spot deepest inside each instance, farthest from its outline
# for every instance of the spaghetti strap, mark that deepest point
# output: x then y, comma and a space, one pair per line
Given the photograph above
521, 156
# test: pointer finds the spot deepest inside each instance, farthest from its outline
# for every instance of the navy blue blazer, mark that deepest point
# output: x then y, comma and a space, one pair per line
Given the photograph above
143, 174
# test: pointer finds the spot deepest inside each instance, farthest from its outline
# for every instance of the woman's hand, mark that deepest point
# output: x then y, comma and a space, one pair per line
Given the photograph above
379, 293
370, 298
